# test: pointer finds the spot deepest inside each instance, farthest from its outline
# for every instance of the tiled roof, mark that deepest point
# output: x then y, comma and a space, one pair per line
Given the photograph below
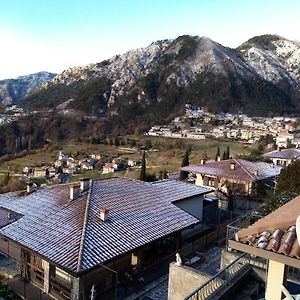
72, 235
7, 217
243, 170
174, 190
276, 232
284, 154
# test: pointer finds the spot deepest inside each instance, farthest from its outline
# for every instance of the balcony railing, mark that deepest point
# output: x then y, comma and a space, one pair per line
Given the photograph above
240, 223
222, 280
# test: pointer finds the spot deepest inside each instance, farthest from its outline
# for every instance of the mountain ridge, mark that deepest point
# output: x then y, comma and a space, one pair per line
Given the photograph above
261, 75
14, 89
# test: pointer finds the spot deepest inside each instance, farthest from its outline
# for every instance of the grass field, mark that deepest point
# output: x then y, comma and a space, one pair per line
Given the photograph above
168, 155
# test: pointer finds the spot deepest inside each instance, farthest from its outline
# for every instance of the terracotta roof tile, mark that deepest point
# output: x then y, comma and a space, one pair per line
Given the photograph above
275, 232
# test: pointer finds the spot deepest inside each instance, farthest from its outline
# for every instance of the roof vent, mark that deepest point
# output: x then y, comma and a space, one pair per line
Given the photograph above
74, 191
104, 214
232, 166
84, 184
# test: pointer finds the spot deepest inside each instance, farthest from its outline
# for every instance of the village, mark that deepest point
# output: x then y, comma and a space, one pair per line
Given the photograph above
197, 123
62, 169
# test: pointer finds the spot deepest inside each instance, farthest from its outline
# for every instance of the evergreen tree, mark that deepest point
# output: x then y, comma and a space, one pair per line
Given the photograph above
185, 162
204, 156
217, 154
143, 168
227, 153
224, 155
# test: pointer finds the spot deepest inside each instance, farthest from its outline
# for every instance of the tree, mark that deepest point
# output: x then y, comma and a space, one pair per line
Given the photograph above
6, 178
227, 153
289, 179
204, 156
224, 155
288, 187
218, 154
163, 174
274, 201
185, 162
143, 168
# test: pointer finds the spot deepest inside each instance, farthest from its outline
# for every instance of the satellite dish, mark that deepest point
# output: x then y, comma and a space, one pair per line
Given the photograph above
298, 229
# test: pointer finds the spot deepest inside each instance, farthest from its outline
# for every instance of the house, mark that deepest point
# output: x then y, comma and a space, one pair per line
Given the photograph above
233, 176
284, 138
246, 134
62, 159
296, 141
69, 238
86, 166
27, 170
71, 162
108, 168
273, 238
70, 170
96, 156
132, 162
283, 157
39, 172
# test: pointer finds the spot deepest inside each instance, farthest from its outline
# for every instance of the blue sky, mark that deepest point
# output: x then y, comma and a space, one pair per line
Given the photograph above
53, 35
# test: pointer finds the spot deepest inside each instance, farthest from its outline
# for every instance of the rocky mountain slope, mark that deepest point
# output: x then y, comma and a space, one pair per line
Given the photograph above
261, 76
13, 90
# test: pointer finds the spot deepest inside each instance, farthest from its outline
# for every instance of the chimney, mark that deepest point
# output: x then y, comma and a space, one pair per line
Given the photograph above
232, 166
104, 214
84, 184
219, 158
74, 191
29, 187
256, 173
202, 161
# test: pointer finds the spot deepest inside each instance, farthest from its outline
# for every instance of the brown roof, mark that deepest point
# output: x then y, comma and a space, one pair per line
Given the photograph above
243, 169
275, 232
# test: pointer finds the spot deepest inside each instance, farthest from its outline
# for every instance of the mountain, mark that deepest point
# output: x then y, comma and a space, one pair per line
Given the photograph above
152, 84
13, 90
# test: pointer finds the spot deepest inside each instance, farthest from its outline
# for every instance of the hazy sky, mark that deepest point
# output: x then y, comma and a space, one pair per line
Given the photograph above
52, 35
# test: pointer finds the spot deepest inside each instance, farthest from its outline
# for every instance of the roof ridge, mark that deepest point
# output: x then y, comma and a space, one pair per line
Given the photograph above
241, 165
81, 246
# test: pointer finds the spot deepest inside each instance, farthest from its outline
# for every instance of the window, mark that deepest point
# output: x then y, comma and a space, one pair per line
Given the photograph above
211, 181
